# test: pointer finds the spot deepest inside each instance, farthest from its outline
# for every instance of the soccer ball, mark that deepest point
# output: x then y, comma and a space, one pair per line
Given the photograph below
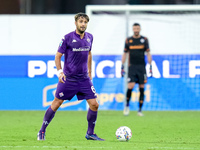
123, 133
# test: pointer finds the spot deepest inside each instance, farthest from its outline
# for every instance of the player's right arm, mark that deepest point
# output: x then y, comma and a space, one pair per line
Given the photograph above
124, 58
60, 74
126, 47
61, 50
124, 55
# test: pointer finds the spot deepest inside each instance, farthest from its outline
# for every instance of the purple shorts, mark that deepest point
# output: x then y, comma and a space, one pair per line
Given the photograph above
83, 89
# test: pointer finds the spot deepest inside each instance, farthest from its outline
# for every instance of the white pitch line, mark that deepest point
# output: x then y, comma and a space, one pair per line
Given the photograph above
173, 148
166, 148
54, 147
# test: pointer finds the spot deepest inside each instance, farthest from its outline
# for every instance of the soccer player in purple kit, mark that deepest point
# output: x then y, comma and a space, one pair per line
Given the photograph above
75, 77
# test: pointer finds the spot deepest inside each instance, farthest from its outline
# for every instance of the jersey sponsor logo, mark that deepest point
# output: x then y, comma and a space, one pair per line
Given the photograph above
136, 47
86, 48
130, 41
73, 41
142, 40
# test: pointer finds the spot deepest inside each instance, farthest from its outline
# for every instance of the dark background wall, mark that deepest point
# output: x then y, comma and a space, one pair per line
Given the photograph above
9, 7
72, 6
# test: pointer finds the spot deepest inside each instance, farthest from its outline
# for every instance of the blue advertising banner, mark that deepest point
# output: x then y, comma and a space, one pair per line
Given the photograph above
29, 83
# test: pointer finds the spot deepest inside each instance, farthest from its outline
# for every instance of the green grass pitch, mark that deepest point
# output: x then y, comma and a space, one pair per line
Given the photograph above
157, 130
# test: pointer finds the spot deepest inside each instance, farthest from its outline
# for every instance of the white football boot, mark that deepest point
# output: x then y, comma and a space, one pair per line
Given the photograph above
140, 114
126, 111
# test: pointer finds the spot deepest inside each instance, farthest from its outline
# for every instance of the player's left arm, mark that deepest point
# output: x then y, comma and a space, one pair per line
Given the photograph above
147, 49
90, 65
149, 57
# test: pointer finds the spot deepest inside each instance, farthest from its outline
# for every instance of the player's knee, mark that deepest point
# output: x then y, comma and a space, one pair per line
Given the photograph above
131, 85
97, 105
94, 106
141, 94
56, 104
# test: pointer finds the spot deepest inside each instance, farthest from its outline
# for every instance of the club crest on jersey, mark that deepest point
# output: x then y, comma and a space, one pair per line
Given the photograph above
88, 40
142, 40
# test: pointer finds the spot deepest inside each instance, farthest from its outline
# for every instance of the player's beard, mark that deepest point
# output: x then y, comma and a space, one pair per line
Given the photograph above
136, 34
81, 31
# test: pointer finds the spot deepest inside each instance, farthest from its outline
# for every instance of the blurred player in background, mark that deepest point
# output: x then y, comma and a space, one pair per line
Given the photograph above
136, 46
75, 77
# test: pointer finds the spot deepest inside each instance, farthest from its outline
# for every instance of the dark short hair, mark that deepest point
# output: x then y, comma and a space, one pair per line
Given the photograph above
77, 16
136, 24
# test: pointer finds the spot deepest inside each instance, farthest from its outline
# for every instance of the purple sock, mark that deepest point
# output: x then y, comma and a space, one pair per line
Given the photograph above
47, 119
91, 118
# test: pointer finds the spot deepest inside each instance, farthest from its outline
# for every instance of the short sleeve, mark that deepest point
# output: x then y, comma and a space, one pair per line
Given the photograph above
62, 46
126, 47
91, 42
147, 45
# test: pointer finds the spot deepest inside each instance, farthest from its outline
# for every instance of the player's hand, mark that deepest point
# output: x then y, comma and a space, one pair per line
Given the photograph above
122, 71
90, 75
62, 77
150, 71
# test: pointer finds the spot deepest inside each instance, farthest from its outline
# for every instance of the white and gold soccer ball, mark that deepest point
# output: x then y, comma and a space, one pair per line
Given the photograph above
123, 133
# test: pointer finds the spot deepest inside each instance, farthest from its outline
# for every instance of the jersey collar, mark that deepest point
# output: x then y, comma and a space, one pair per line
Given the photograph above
79, 35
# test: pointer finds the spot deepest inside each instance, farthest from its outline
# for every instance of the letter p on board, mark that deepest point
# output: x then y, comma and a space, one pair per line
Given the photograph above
36, 67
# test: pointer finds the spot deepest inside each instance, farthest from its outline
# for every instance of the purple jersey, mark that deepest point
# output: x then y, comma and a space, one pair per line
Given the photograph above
76, 52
